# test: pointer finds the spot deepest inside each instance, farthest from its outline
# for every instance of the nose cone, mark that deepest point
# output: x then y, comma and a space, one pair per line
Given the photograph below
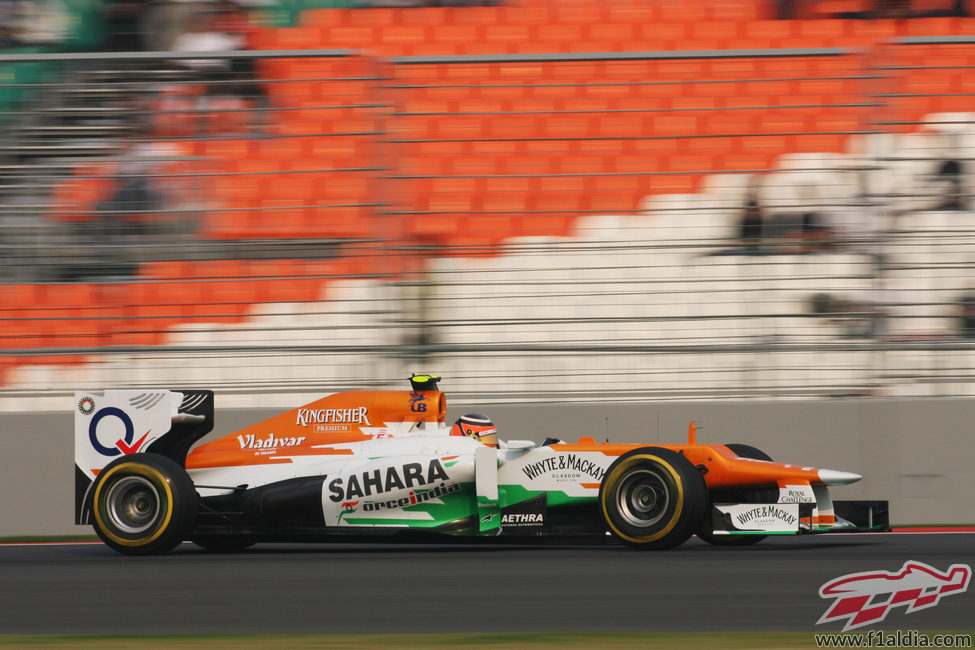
833, 477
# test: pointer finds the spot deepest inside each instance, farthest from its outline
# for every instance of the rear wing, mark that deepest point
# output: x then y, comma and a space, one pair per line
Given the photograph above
122, 422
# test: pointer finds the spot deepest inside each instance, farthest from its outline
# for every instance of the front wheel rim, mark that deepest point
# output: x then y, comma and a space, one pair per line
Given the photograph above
642, 498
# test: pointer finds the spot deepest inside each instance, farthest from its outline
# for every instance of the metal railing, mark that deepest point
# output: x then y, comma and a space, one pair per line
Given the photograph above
563, 226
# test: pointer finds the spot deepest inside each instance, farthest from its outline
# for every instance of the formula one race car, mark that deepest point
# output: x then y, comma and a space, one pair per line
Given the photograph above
385, 465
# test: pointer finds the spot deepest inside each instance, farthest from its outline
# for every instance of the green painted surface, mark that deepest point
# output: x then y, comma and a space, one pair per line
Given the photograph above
287, 13
451, 507
18, 81
511, 494
488, 516
459, 505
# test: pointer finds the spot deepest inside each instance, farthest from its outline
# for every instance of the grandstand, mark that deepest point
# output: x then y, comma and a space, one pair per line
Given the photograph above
537, 199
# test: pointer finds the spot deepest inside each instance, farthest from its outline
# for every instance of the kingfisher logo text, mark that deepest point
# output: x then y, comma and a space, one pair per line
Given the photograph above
865, 598
333, 416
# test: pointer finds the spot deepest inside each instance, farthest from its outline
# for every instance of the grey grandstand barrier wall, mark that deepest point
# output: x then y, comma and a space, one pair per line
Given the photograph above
915, 453
532, 226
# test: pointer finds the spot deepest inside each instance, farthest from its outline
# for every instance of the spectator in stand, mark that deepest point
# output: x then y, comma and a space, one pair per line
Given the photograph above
966, 315
750, 223
752, 220
235, 20
7, 38
891, 9
786, 9
33, 24
857, 318
859, 223
123, 20
8, 34
798, 233
949, 179
138, 191
202, 34
814, 235
221, 29
900, 9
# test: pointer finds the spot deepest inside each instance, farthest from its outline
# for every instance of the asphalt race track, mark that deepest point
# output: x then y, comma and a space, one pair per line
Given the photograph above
87, 588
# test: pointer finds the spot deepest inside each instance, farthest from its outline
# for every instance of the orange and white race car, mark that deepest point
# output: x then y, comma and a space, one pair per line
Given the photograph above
387, 465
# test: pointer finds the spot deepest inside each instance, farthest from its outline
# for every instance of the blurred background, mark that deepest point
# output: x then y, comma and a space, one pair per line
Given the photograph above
539, 200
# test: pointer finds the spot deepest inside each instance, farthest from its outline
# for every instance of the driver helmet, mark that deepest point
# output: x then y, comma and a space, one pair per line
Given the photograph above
477, 426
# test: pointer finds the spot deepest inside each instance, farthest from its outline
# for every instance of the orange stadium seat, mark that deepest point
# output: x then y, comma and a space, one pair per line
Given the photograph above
873, 31
76, 198
505, 33
740, 12
454, 35
503, 185
583, 164
476, 15
286, 282
493, 228
517, 141
507, 202
428, 16
326, 17
15, 327
154, 311
832, 8
823, 31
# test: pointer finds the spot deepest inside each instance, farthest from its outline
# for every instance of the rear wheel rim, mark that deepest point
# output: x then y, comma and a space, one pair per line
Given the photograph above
133, 505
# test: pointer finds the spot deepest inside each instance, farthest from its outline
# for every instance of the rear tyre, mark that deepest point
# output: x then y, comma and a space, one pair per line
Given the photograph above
143, 504
653, 498
707, 532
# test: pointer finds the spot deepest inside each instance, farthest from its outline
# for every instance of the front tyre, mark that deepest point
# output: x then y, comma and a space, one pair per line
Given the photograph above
653, 498
143, 504
706, 531
747, 451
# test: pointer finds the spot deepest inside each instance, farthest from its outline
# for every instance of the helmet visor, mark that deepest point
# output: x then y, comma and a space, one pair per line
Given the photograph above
488, 437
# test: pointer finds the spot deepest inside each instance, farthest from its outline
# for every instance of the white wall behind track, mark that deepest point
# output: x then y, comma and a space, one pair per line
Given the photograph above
916, 453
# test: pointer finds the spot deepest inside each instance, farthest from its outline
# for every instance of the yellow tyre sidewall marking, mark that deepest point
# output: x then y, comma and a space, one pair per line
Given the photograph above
613, 481
157, 479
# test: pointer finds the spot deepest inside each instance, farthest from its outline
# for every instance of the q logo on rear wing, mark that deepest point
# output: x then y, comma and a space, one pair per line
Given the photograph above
865, 598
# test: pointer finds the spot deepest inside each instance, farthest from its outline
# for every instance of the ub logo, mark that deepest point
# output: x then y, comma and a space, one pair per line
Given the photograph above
418, 403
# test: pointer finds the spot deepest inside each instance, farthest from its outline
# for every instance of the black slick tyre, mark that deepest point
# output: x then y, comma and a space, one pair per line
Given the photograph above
652, 498
747, 451
706, 532
143, 504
